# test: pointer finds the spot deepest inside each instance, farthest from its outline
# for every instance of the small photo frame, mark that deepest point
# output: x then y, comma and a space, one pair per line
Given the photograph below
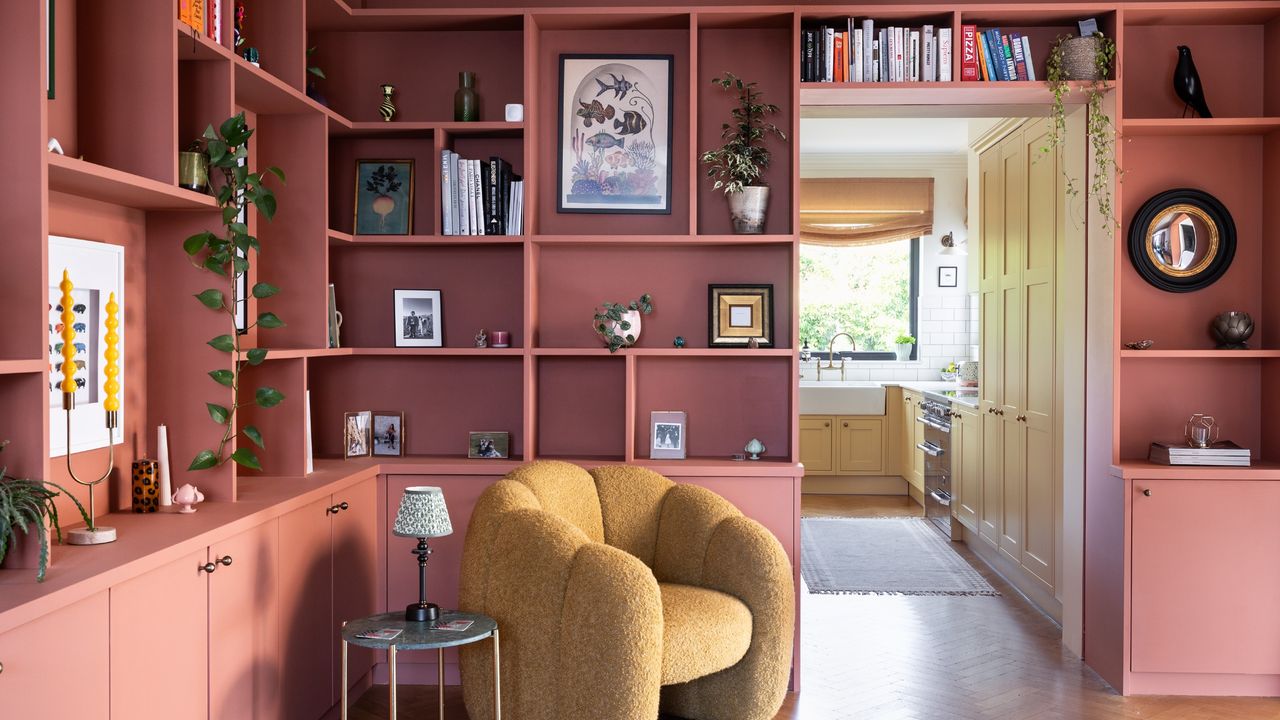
388, 434
384, 197
356, 434
489, 445
948, 276
740, 313
418, 318
668, 437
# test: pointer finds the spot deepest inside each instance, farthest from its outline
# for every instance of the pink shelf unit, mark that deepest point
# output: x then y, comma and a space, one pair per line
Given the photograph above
581, 408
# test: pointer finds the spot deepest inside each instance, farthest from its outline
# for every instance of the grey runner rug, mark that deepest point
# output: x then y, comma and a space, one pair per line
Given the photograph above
883, 556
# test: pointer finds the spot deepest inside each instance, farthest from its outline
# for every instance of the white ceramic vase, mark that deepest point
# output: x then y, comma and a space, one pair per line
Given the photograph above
632, 317
904, 351
748, 209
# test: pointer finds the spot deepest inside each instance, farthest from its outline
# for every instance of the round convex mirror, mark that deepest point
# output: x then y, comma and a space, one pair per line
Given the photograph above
1182, 240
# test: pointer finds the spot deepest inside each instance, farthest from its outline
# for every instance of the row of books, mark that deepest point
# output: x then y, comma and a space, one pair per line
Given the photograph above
480, 197
858, 52
990, 55
203, 16
1222, 453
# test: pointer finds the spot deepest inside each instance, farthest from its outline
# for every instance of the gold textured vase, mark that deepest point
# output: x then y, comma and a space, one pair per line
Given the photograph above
193, 171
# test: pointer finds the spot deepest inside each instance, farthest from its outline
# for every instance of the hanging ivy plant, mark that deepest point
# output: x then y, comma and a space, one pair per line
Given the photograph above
227, 254
1098, 126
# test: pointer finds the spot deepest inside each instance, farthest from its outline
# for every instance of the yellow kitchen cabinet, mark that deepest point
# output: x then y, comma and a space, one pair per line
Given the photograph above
860, 445
913, 436
817, 446
966, 466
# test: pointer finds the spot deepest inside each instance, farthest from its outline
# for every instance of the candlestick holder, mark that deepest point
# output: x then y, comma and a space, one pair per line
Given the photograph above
92, 534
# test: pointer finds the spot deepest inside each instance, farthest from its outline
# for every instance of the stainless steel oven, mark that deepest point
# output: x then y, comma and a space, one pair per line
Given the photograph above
935, 415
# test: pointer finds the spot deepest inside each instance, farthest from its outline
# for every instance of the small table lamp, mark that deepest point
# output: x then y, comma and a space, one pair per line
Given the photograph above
422, 515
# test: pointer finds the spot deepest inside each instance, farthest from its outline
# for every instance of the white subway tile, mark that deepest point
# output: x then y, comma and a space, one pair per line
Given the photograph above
930, 301
953, 301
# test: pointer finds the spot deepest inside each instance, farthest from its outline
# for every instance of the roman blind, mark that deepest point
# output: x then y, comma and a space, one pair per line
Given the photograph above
864, 211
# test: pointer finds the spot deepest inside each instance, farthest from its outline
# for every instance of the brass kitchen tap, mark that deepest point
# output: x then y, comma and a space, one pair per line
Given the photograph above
831, 356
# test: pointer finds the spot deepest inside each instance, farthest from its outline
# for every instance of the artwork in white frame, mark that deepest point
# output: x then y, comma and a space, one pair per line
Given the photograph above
96, 270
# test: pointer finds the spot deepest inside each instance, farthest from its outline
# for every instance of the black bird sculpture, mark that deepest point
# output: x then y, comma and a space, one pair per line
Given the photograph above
1186, 82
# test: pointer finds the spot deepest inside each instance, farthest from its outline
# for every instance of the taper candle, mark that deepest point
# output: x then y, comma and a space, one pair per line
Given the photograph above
162, 453
112, 386
68, 335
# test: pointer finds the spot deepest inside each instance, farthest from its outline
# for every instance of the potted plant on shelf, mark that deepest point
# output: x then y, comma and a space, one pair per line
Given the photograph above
27, 507
226, 254
1088, 60
619, 325
738, 166
905, 344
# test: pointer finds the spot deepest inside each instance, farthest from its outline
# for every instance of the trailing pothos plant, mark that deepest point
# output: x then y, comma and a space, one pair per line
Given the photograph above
24, 506
226, 254
742, 160
1098, 126
612, 328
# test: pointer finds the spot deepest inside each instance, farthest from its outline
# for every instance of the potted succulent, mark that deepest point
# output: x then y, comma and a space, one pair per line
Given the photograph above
28, 516
738, 166
905, 344
619, 325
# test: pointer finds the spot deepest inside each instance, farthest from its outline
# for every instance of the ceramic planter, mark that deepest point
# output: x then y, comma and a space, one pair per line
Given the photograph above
904, 351
748, 209
633, 318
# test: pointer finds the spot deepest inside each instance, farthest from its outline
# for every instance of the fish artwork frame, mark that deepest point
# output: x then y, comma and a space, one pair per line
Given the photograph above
615, 134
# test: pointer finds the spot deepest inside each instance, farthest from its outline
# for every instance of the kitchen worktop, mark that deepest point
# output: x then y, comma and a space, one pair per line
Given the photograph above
940, 390
866, 397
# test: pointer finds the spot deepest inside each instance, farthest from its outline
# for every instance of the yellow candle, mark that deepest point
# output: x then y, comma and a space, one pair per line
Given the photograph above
112, 403
68, 336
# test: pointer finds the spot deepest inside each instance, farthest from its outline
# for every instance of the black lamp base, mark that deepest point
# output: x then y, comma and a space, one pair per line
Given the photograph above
422, 612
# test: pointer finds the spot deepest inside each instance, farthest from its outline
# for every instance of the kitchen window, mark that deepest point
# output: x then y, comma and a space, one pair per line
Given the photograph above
868, 291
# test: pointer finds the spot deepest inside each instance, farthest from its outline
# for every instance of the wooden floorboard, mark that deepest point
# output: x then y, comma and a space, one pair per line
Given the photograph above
921, 658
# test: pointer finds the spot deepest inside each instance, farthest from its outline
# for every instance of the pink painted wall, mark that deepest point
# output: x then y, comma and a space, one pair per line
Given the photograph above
581, 407
1219, 51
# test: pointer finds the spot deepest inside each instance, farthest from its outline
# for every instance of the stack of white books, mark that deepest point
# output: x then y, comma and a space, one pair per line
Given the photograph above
1223, 453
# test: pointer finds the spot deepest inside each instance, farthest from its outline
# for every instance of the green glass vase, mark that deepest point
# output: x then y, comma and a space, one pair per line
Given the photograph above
466, 107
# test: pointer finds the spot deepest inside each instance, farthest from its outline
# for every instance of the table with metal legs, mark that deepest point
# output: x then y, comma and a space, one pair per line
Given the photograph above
420, 636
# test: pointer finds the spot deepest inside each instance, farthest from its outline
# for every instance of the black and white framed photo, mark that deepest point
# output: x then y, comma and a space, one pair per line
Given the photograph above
419, 320
739, 314
356, 434
615, 133
948, 276
388, 434
667, 436
489, 445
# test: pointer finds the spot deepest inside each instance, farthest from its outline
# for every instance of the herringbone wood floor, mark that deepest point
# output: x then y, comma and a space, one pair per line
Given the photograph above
926, 658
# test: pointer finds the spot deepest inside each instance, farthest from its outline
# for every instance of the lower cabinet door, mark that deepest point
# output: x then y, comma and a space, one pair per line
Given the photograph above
160, 643
969, 474
816, 446
355, 572
244, 626
1205, 587
59, 665
306, 612
860, 445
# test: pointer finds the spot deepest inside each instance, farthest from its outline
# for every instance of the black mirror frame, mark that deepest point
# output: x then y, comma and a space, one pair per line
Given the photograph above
1152, 209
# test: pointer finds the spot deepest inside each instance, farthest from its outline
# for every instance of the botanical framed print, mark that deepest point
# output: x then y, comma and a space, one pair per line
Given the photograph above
739, 313
356, 434
615, 133
488, 445
384, 197
388, 434
418, 318
667, 436
96, 270
948, 276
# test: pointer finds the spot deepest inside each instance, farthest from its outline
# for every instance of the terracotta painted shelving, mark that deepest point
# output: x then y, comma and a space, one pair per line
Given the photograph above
97, 182
17, 367
1200, 353
1138, 127
1145, 470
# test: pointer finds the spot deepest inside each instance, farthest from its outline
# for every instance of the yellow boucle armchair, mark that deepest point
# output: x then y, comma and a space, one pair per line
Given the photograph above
618, 591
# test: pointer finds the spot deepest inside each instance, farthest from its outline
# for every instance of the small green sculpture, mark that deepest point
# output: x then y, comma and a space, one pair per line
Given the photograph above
679, 341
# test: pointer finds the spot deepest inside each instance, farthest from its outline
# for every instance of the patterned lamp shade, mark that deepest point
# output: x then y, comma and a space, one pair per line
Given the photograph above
422, 514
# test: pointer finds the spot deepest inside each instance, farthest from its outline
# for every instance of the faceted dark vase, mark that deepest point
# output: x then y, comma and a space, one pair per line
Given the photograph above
1232, 330
466, 106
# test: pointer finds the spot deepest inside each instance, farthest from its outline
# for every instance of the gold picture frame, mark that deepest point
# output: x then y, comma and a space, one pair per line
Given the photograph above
738, 314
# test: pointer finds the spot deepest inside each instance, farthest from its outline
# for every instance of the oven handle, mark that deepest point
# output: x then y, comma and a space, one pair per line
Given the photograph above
930, 449
937, 495
932, 424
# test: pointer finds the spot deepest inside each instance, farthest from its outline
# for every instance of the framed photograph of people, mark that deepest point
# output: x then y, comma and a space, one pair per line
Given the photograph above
388, 434
489, 445
356, 434
668, 437
615, 134
419, 321
384, 197
740, 313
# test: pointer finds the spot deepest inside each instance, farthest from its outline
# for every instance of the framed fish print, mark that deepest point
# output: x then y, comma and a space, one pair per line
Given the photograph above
384, 197
615, 134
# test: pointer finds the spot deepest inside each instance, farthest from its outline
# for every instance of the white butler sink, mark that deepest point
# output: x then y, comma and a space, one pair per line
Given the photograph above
831, 397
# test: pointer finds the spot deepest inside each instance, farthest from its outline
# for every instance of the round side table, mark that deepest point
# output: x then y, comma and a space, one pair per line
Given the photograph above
420, 636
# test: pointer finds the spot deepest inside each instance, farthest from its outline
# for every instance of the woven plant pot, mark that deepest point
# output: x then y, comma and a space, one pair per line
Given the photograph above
1080, 58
